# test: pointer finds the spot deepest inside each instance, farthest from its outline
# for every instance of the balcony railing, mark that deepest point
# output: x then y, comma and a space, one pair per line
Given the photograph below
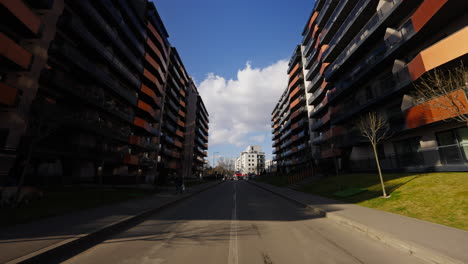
332, 19
358, 8
314, 83
388, 86
374, 22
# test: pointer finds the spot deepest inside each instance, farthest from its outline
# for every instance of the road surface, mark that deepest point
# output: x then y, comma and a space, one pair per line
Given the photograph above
237, 222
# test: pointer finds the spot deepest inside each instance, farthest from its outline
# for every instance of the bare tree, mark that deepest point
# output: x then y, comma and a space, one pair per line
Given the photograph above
375, 128
447, 92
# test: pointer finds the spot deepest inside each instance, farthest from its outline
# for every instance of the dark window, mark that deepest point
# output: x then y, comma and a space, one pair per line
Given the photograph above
408, 152
450, 150
3, 136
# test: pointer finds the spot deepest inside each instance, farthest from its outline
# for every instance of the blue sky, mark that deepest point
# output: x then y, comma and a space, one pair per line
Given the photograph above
237, 52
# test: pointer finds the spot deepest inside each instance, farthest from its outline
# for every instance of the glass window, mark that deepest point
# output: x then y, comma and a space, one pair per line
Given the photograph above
449, 151
463, 140
408, 152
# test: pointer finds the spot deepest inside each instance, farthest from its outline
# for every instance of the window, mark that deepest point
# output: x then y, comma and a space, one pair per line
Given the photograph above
452, 145
408, 152
3, 136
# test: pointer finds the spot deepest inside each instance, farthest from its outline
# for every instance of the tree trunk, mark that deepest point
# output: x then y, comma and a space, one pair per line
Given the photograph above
374, 147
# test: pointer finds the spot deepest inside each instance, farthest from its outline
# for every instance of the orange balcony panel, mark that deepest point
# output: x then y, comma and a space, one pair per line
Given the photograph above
294, 92
147, 108
145, 89
153, 79
294, 103
142, 123
157, 52
130, 159
182, 81
448, 49
205, 145
322, 50
181, 113
295, 125
180, 123
14, 52
158, 37
324, 84
324, 66
293, 82
182, 103
316, 28
182, 92
154, 64
8, 94
293, 71
312, 19
178, 144
21, 11
437, 109
425, 12
179, 133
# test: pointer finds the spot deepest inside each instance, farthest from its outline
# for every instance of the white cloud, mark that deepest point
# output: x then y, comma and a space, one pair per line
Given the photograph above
243, 106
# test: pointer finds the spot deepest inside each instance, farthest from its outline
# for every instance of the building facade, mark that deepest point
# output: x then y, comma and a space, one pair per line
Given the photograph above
252, 160
367, 56
90, 91
290, 124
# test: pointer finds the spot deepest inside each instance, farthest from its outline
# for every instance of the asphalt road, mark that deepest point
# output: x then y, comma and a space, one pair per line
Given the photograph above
237, 222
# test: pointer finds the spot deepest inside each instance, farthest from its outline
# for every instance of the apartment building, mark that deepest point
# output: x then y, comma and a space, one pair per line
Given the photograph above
90, 91
290, 124
252, 160
196, 136
367, 55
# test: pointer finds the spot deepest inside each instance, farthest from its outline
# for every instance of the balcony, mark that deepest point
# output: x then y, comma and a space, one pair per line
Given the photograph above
26, 21
94, 96
145, 143
94, 123
14, 53
314, 84
442, 108
358, 9
132, 18
8, 95
338, 11
387, 86
317, 140
97, 20
374, 22
139, 122
318, 110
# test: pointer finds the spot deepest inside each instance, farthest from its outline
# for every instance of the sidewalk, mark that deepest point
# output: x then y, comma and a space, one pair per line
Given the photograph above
431, 242
22, 242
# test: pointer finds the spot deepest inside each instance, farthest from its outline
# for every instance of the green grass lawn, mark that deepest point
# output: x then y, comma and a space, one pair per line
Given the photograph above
59, 201
436, 197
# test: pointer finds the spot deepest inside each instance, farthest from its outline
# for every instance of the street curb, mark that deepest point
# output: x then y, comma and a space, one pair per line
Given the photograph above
62, 250
414, 249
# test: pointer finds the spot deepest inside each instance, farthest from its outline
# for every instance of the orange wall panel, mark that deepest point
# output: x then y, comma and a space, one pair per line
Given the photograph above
157, 52
446, 50
425, 12
158, 37
23, 13
14, 52
8, 94
312, 19
437, 109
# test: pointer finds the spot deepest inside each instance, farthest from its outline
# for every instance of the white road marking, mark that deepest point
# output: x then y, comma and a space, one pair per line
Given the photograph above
233, 252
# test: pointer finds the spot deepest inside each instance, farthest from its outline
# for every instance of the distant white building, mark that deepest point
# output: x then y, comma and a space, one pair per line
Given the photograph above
270, 166
252, 160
